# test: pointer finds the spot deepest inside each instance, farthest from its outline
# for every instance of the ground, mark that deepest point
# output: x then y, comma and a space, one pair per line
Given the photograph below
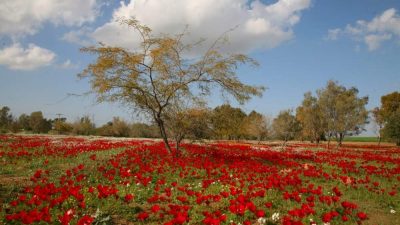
74, 180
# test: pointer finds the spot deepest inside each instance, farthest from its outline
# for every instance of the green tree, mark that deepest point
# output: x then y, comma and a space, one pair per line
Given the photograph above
310, 116
84, 126
343, 111
389, 114
285, 126
144, 130
61, 126
391, 130
190, 123
38, 123
5, 119
256, 126
23, 121
390, 104
227, 122
116, 128
156, 75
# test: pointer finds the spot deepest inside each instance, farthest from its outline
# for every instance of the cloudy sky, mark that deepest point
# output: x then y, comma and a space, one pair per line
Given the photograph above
300, 45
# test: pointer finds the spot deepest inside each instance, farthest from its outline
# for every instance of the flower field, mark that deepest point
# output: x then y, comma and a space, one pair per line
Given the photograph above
68, 180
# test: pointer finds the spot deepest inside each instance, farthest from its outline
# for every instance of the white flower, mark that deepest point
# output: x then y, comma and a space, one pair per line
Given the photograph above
70, 212
326, 223
261, 220
275, 217
392, 211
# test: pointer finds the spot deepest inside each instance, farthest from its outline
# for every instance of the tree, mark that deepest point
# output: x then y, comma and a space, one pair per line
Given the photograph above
5, 119
23, 121
156, 75
343, 111
191, 123
84, 126
227, 122
389, 113
116, 128
144, 130
390, 104
392, 127
286, 126
38, 123
379, 122
256, 126
310, 116
61, 126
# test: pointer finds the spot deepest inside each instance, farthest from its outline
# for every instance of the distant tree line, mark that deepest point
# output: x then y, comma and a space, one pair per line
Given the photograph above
332, 113
222, 122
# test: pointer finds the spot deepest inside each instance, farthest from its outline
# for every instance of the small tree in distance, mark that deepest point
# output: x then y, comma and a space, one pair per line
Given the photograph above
155, 76
310, 116
286, 126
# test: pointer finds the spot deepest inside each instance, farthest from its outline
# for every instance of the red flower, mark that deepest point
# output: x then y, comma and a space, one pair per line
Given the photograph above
128, 197
362, 216
142, 216
155, 208
260, 213
85, 220
268, 204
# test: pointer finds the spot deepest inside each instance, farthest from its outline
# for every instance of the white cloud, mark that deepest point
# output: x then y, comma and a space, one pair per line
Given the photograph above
16, 57
258, 25
333, 34
22, 17
374, 41
79, 37
68, 65
383, 27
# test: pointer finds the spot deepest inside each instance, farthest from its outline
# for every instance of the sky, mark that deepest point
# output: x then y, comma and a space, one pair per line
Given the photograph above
299, 44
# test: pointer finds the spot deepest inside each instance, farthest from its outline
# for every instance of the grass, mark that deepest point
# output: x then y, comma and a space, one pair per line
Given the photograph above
360, 139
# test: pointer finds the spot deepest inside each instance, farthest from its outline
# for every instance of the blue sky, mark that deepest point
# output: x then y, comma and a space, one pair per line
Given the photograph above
300, 45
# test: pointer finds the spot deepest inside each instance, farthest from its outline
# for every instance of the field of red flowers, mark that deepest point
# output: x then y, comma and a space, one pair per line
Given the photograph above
68, 180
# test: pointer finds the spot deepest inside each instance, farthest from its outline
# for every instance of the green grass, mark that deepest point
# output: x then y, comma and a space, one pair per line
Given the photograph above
360, 139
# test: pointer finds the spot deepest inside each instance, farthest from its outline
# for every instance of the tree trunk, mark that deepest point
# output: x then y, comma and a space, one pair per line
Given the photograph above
340, 140
178, 140
329, 139
379, 141
284, 142
163, 134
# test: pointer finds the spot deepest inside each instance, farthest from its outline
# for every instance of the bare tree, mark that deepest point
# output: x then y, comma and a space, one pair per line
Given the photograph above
156, 75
